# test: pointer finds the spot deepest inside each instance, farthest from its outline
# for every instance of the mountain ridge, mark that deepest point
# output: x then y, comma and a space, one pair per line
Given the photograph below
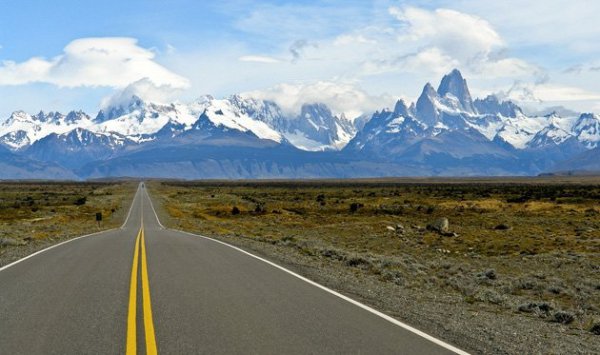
445, 131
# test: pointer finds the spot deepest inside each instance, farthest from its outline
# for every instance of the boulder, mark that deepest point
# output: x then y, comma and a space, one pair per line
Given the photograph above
399, 229
440, 225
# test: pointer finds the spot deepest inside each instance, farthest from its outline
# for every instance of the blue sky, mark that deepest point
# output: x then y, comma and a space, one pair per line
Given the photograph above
353, 55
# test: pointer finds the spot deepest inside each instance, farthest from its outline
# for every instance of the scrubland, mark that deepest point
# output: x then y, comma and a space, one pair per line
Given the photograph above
515, 269
34, 215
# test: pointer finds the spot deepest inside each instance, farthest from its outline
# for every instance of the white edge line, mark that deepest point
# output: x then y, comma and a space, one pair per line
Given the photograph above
52, 247
130, 208
335, 293
346, 298
70, 240
153, 210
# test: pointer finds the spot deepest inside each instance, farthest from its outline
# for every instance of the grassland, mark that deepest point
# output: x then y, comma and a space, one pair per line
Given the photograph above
34, 215
520, 254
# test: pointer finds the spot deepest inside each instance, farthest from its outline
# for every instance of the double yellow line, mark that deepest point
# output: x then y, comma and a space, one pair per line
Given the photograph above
131, 317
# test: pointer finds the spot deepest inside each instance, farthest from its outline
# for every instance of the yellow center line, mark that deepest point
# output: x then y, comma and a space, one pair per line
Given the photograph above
131, 316
148, 322
131, 346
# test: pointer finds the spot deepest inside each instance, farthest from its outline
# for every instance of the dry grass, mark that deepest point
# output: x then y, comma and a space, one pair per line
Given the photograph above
548, 249
36, 213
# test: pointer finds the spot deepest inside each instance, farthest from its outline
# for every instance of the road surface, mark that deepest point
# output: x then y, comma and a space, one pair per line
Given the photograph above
146, 289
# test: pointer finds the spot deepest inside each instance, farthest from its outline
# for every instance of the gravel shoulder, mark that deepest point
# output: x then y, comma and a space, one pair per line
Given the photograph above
476, 328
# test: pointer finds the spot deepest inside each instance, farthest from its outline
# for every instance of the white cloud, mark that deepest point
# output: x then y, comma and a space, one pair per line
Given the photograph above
562, 24
397, 53
350, 39
340, 46
258, 59
110, 61
544, 94
437, 39
429, 60
144, 89
340, 97
553, 93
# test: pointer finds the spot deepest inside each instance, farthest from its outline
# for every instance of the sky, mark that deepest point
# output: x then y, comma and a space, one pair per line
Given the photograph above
355, 56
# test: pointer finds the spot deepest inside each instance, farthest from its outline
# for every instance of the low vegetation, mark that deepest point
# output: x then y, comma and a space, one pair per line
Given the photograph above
36, 214
527, 248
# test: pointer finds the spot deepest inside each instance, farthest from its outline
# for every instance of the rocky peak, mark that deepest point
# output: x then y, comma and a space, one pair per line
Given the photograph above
491, 105
401, 109
455, 85
75, 116
120, 109
427, 105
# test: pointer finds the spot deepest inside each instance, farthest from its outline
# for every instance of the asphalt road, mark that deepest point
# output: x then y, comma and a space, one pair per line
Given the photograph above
143, 288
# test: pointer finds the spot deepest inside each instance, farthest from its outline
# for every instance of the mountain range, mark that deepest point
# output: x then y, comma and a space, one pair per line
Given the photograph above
445, 132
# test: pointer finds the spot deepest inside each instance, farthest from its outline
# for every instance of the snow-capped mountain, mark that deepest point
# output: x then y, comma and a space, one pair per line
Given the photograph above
446, 126
445, 132
142, 121
315, 128
244, 116
21, 129
587, 130
139, 120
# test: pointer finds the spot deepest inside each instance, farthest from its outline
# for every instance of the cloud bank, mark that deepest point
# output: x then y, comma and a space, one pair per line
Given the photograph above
347, 99
349, 55
110, 61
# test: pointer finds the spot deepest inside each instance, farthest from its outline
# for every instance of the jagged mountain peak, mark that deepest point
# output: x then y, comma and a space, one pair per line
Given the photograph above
262, 110
21, 129
315, 110
587, 129
492, 105
444, 129
57, 118
401, 108
19, 116
454, 84
115, 110
429, 91
75, 116
427, 105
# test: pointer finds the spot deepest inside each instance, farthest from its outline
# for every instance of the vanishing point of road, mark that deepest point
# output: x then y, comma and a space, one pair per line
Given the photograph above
143, 288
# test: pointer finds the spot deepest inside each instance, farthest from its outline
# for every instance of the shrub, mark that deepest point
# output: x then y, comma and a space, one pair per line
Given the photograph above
260, 208
489, 296
332, 253
355, 206
563, 317
394, 276
502, 227
490, 274
80, 201
356, 261
541, 309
